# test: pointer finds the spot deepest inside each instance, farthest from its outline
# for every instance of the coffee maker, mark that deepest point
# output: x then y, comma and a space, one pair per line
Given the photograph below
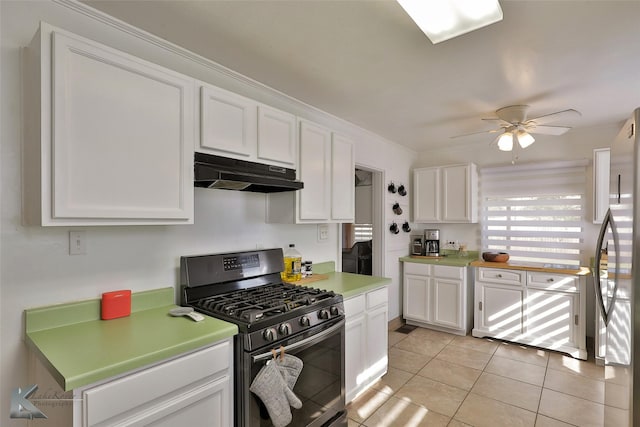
432, 242
417, 244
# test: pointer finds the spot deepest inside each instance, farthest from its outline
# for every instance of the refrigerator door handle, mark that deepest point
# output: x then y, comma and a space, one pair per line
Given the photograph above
596, 269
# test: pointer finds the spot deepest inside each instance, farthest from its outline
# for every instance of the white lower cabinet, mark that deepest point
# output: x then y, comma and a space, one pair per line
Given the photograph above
536, 308
436, 297
366, 340
195, 389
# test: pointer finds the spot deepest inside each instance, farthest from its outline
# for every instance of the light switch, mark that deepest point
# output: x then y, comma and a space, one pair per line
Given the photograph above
77, 243
323, 232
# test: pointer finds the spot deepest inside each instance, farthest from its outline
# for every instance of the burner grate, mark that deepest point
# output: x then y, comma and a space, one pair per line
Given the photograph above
252, 305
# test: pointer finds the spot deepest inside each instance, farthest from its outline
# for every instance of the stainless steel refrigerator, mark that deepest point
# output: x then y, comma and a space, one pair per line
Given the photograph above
617, 280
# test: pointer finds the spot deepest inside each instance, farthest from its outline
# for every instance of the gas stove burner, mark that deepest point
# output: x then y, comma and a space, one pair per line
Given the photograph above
255, 304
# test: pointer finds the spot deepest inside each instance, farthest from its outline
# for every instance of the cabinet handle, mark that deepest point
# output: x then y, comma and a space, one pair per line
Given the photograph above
499, 276
480, 306
550, 279
575, 319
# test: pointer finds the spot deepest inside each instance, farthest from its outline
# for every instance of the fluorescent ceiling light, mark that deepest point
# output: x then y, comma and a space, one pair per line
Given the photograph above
524, 139
444, 19
505, 141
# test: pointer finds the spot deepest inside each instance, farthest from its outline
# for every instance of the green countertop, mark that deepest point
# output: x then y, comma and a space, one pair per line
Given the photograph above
348, 284
451, 259
80, 349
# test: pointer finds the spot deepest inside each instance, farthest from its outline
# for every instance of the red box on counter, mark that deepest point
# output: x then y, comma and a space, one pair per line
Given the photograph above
115, 304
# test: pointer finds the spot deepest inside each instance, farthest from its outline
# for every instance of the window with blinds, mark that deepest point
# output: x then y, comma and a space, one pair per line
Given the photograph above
363, 232
536, 213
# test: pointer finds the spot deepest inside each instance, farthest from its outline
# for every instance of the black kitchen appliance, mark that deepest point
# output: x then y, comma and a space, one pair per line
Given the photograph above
232, 174
245, 288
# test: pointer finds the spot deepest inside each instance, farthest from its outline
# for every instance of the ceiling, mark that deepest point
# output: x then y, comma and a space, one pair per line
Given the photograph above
367, 62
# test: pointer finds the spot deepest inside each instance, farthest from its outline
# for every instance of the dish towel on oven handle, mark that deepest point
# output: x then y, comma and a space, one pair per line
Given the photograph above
270, 386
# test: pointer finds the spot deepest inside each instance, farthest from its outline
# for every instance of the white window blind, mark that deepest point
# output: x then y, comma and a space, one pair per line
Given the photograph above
363, 232
535, 212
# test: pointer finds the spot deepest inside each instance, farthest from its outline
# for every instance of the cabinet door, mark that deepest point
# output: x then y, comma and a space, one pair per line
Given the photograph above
447, 303
122, 146
426, 202
209, 402
377, 341
355, 354
315, 168
416, 297
551, 318
342, 187
227, 123
277, 142
499, 309
458, 194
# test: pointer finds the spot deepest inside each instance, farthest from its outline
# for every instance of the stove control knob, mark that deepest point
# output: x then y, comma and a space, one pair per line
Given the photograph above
323, 314
285, 329
304, 321
334, 310
269, 334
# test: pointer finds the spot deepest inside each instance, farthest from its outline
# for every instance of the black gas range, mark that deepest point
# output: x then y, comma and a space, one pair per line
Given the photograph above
245, 288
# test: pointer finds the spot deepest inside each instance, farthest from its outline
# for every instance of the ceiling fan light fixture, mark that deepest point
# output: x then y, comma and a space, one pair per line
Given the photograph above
525, 139
505, 141
442, 20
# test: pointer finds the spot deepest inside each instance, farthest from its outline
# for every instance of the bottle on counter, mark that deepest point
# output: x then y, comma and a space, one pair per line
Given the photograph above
292, 265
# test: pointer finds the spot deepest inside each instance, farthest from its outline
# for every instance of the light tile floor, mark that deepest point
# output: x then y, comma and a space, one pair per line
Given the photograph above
439, 379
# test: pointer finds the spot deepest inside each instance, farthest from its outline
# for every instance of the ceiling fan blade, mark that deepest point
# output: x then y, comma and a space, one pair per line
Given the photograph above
548, 130
559, 115
499, 121
476, 133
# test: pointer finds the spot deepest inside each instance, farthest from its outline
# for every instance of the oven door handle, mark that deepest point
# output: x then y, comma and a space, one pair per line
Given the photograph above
318, 336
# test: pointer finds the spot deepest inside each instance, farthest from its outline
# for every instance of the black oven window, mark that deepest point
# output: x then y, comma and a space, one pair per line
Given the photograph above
319, 385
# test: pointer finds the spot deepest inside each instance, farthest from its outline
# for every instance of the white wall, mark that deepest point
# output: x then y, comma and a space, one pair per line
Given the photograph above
35, 266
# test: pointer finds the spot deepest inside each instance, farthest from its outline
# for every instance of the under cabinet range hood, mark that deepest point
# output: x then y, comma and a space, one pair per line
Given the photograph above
231, 174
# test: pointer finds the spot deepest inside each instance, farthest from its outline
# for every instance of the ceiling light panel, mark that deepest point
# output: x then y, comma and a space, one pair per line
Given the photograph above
444, 19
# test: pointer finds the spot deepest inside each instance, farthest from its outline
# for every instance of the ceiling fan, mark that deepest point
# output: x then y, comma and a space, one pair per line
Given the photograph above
513, 124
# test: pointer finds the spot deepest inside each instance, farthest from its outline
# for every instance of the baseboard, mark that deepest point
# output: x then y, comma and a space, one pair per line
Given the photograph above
395, 323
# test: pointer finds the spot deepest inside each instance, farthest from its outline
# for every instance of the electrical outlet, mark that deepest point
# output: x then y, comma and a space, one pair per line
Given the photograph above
323, 232
452, 244
77, 243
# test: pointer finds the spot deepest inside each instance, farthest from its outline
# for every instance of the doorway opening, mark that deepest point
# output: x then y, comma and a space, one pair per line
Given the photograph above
362, 240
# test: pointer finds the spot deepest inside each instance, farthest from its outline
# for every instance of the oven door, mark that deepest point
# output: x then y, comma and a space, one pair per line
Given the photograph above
320, 385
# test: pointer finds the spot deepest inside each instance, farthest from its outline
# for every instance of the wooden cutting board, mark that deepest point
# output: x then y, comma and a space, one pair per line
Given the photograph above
310, 279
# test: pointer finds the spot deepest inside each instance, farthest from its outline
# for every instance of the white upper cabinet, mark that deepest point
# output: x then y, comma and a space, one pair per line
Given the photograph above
227, 123
342, 179
426, 199
326, 166
277, 142
446, 194
109, 137
234, 126
315, 172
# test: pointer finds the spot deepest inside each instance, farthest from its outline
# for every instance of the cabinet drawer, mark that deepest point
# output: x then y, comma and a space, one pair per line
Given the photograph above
354, 306
154, 384
505, 277
416, 268
553, 282
376, 298
448, 272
